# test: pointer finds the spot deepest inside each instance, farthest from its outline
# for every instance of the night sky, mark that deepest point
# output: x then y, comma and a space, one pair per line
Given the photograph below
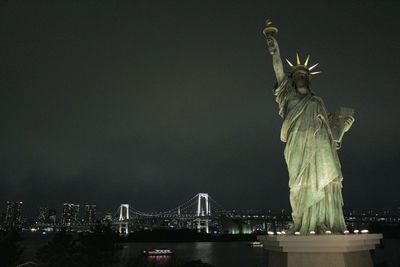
148, 103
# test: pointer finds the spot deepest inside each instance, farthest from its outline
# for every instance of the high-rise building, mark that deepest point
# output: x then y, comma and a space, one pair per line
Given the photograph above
43, 215
52, 216
13, 218
90, 214
107, 217
70, 214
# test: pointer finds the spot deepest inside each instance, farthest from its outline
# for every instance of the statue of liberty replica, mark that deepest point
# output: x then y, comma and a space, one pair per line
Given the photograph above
312, 137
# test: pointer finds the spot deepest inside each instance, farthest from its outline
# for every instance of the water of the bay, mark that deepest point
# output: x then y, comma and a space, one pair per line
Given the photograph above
219, 254
232, 254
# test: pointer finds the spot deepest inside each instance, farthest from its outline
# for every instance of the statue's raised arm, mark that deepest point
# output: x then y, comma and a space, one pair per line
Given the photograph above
273, 49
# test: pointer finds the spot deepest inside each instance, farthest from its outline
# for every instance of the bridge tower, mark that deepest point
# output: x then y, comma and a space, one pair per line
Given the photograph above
123, 212
203, 212
123, 219
203, 206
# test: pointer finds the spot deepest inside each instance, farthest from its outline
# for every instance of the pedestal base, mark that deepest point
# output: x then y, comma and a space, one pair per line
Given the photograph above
320, 250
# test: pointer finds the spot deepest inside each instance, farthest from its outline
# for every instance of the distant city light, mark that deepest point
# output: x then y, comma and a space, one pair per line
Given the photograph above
47, 220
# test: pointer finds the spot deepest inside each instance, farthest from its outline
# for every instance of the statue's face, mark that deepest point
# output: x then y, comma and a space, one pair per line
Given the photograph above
301, 81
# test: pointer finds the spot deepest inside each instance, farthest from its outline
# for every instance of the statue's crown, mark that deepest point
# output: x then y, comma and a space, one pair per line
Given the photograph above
302, 68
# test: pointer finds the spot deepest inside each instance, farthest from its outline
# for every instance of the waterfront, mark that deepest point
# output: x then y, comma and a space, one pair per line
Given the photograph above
218, 254
221, 254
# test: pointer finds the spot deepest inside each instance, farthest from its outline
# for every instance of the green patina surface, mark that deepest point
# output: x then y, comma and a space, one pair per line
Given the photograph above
315, 177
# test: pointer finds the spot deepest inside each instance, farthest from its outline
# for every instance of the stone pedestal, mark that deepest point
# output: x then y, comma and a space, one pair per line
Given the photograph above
320, 250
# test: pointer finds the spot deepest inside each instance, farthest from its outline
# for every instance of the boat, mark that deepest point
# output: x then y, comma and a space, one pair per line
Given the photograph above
157, 252
256, 244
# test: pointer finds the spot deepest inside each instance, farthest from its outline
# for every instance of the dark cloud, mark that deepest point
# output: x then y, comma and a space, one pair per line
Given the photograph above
151, 102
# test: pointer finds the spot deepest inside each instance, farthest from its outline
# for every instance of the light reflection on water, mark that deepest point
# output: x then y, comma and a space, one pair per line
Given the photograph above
233, 254
203, 251
158, 259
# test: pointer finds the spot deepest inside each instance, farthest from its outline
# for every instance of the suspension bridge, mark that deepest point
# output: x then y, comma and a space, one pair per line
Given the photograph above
193, 213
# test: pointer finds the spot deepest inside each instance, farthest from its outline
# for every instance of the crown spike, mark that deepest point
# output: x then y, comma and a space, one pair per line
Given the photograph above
290, 64
315, 72
305, 63
298, 59
313, 66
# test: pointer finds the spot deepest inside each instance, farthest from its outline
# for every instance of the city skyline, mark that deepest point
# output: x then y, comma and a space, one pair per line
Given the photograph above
149, 104
90, 211
70, 214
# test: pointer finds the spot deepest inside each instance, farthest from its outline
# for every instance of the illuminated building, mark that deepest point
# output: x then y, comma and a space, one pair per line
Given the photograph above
13, 218
43, 215
52, 216
70, 214
107, 217
90, 214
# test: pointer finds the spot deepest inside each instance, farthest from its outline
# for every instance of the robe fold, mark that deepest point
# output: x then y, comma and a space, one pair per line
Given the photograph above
315, 177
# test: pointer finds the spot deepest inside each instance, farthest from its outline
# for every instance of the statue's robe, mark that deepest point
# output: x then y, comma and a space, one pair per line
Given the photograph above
315, 177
